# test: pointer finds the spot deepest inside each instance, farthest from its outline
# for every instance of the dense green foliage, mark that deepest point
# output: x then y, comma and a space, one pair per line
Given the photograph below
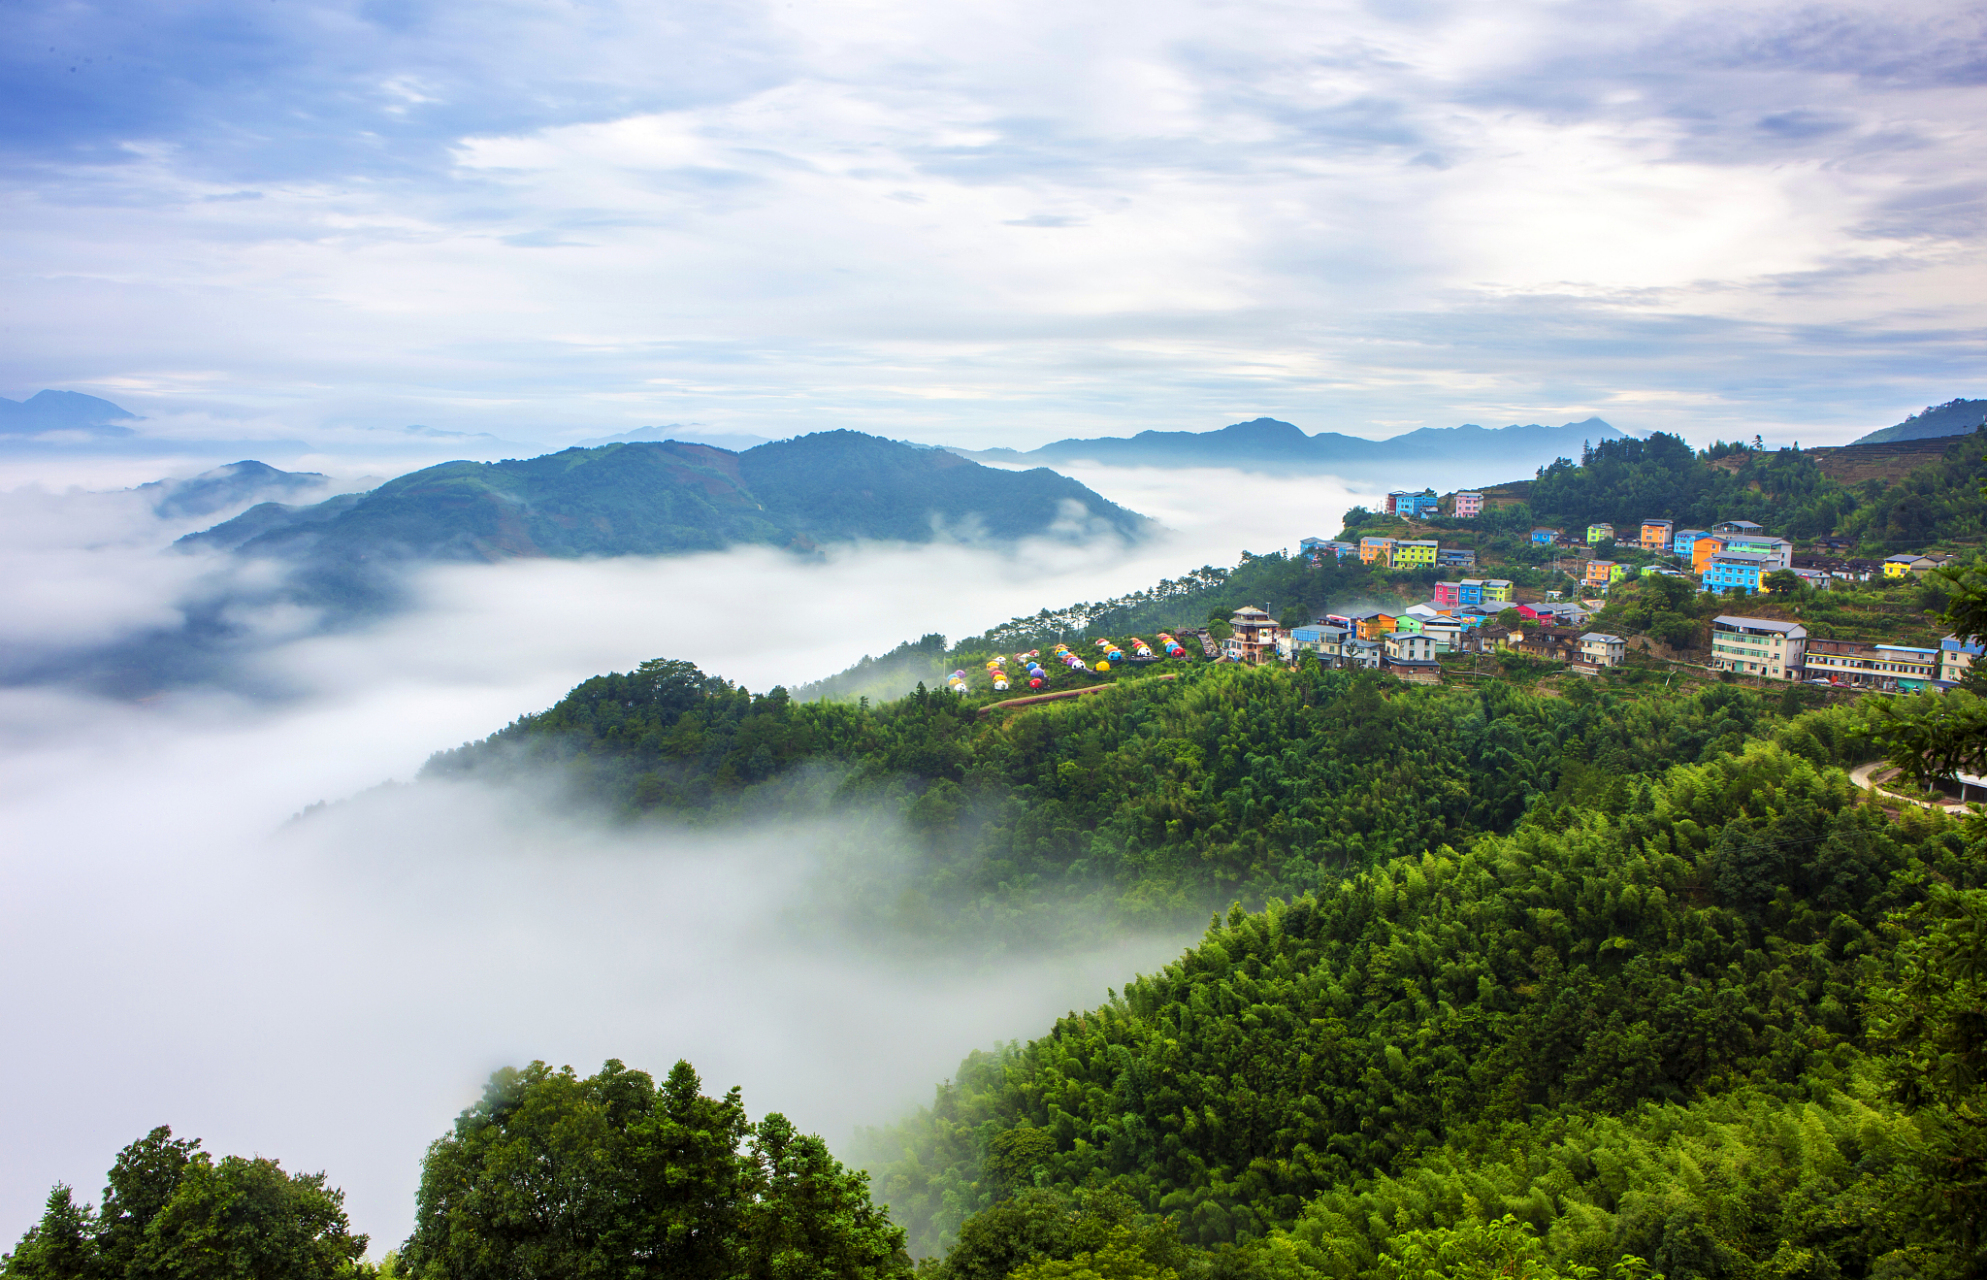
171, 1210
657, 498
1628, 991
1153, 801
550, 1174
1626, 481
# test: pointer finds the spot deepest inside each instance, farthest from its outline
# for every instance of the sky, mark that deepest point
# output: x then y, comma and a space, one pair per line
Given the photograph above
324, 221
330, 992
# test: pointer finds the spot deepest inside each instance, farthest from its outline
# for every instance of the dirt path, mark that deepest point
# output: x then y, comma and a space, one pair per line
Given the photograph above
1034, 698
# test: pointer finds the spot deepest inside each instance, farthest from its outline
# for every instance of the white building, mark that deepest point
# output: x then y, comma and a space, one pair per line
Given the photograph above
1758, 647
1601, 649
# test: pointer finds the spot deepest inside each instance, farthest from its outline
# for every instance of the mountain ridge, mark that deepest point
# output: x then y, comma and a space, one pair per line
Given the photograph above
671, 497
1266, 441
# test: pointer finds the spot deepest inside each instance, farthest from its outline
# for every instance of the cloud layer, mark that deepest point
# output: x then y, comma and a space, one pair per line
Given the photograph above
332, 991
998, 224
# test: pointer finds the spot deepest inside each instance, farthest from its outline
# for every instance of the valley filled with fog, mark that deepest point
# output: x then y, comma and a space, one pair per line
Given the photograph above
332, 989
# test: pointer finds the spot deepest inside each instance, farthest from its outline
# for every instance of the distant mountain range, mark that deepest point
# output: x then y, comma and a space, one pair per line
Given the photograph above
1953, 418
650, 498
1267, 444
47, 411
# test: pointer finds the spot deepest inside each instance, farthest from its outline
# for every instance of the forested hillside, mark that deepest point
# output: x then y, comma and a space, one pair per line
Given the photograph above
670, 497
1153, 800
1624, 482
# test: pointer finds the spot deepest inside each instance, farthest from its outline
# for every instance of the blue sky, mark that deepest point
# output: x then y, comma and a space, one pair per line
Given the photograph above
983, 224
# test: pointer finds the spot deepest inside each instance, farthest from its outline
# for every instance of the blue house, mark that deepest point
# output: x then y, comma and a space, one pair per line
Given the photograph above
1731, 569
1544, 537
1413, 505
1685, 540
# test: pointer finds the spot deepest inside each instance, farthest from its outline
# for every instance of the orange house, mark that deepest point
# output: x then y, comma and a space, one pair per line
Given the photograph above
1702, 550
1372, 626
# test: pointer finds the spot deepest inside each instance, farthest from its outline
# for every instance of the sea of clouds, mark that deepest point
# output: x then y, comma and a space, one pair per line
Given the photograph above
332, 990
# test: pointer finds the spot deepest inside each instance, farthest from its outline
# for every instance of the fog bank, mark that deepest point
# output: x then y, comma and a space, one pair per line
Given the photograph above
331, 992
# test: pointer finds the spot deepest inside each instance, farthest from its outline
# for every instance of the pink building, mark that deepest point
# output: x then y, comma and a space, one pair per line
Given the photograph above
1448, 594
1468, 505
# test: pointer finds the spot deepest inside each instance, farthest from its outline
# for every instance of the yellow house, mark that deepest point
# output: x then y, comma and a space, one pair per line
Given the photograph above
1414, 554
1601, 531
1898, 566
1497, 591
1702, 550
1376, 551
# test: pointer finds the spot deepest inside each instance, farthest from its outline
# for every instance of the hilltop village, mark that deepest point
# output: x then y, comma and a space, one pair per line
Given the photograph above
1587, 567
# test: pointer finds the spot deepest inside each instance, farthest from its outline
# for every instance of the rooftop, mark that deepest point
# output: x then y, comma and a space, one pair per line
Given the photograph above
1758, 624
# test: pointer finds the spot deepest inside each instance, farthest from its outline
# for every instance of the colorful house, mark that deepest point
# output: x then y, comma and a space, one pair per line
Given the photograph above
1702, 550
1371, 626
1497, 591
1956, 657
1449, 594
1378, 551
1601, 572
1406, 624
1600, 532
1736, 569
1899, 566
1468, 505
1545, 537
1413, 505
1319, 548
1414, 554
1778, 551
1656, 534
1686, 539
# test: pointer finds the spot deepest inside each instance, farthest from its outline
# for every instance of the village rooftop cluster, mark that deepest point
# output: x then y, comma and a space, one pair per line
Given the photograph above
1735, 557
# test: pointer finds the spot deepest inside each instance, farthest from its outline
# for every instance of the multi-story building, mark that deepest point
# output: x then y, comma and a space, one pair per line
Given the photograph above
1254, 635
1319, 548
1469, 592
1413, 505
1685, 540
1448, 594
1886, 667
1702, 550
1758, 647
1779, 552
1496, 591
1323, 639
1468, 505
1656, 534
1735, 570
1412, 646
1414, 554
1560, 644
1956, 658
1601, 572
1599, 649
1377, 550
1362, 654
1406, 624
1545, 537
1599, 532
1447, 633
1455, 558
1814, 578
1372, 626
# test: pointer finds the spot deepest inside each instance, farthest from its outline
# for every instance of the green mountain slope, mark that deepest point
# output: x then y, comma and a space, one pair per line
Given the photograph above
1953, 418
1420, 1044
656, 498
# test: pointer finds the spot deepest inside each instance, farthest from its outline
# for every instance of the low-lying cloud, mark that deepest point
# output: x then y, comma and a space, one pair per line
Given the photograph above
331, 991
